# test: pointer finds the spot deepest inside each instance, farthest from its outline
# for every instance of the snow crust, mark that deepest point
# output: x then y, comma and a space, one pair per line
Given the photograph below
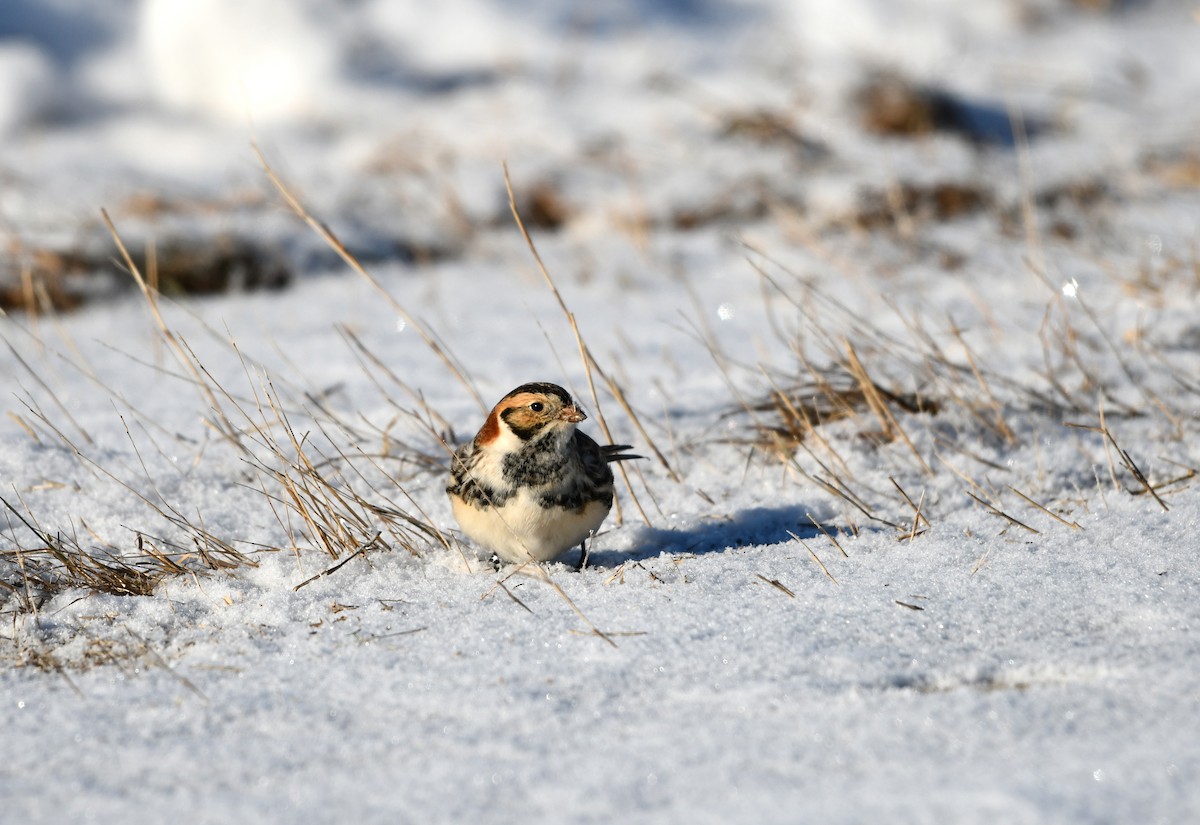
973, 672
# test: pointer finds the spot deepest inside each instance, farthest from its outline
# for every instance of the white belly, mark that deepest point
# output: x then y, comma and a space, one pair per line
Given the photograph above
522, 530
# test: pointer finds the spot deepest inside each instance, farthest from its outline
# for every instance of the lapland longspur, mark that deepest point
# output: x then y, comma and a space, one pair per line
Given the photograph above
530, 486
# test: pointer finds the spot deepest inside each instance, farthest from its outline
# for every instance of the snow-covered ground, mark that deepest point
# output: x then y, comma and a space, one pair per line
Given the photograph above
969, 593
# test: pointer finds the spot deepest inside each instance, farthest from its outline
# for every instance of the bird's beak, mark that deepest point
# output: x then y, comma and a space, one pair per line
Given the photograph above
572, 414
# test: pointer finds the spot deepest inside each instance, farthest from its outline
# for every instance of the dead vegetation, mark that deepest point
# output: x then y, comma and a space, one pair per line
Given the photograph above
892, 105
333, 481
930, 405
544, 206
905, 207
310, 472
938, 203
51, 562
927, 402
1178, 169
768, 127
44, 280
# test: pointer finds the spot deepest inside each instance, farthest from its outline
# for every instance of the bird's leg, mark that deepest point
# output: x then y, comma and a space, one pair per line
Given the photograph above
584, 552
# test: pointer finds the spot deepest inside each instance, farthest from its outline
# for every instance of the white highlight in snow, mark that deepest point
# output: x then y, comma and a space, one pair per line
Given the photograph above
725, 312
268, 60
1070, 288
400, 324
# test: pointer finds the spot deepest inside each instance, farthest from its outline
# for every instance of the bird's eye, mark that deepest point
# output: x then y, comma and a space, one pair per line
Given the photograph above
537, 406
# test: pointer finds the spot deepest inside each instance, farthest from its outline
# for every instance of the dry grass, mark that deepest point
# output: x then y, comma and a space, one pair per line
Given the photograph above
50, 562
930, 408
892, 105
312, 472
311, 476
42, 280
332, 499
923, 411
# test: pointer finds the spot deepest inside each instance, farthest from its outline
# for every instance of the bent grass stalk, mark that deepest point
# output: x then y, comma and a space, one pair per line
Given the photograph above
584, 353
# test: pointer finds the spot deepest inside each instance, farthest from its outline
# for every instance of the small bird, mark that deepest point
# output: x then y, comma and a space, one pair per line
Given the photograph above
530, 486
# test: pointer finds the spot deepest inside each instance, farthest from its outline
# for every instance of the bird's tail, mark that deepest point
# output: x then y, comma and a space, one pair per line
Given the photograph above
616, 452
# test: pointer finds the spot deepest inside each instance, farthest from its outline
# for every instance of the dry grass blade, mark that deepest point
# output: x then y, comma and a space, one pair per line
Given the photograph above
513, 596
584, 354
1126, 460
1073, 525
30, 599
828, 535
435, 423
891, 426
20, 422
183, 355
335, 517
53, 397
997, 511
919, 516
619, 394
326, 234
815, 557
1180, 479
360, 551
998, 420
800, 410
779, 585
839, 488
537, 571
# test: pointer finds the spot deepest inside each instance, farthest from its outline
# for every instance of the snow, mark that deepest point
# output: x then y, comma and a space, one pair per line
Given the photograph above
1027, 655
29, 87
226, 60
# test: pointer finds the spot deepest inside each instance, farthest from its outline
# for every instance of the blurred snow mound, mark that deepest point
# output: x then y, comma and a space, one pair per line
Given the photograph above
919, 37
268, 60
28, 85
456, 35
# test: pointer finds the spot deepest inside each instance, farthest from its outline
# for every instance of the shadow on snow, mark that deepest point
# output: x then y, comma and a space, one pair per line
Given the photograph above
747, 528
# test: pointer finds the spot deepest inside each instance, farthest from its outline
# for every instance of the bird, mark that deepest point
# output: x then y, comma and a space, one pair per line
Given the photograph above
531, 486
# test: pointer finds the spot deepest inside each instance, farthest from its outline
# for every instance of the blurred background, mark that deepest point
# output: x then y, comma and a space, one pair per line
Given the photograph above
641, 119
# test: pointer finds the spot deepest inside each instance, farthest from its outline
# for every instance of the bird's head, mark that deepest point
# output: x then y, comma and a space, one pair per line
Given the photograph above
532, 411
